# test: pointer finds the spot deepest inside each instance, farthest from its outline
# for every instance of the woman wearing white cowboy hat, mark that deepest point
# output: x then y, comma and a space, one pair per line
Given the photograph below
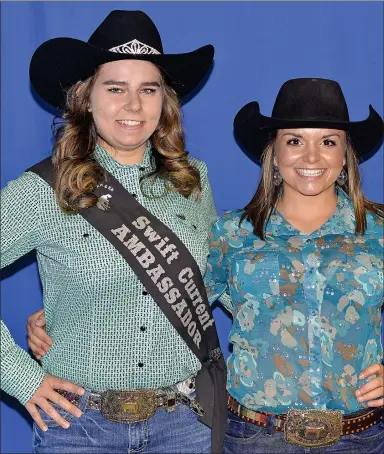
115, 358
303, 265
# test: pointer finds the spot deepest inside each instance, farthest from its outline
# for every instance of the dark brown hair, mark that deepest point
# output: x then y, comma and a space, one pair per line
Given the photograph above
260, 208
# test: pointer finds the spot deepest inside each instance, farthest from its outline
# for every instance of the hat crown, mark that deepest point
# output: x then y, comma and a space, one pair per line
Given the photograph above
311, 99
127, 28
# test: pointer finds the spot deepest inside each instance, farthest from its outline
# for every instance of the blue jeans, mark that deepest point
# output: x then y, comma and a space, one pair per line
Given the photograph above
246, 438
175, 432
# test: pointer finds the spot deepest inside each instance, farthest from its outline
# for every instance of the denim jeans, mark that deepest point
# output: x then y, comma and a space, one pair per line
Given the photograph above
246, 438
174, 432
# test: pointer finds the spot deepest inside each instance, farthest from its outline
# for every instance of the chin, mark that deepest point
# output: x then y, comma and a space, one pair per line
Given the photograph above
131, 146
310, 192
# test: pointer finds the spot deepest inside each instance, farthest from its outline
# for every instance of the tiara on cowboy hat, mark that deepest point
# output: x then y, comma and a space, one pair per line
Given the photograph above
59, 63
307, 103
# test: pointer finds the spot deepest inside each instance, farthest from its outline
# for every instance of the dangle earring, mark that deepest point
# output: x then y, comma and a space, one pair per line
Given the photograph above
342, 178
277, 180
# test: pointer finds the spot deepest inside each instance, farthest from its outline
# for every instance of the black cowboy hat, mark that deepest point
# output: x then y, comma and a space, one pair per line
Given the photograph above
307, 103
59, 63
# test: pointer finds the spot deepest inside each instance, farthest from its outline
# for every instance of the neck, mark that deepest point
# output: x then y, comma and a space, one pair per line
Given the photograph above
124, 157
294, 205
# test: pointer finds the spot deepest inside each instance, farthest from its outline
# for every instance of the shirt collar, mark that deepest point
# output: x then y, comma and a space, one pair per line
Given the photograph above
341, 221
111, 165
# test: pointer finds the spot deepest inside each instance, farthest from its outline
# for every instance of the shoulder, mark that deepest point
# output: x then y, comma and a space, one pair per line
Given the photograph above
28, 195
201, 166
27, 184
230, 222
375, 225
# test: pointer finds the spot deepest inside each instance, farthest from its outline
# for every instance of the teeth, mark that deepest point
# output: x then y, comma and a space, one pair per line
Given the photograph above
310, 172
130, 122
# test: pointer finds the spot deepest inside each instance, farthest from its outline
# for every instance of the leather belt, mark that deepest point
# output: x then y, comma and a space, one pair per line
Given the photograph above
313, 428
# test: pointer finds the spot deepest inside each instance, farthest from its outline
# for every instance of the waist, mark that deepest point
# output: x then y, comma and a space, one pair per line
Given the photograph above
273, 392
125, 374
140, 405
349, 423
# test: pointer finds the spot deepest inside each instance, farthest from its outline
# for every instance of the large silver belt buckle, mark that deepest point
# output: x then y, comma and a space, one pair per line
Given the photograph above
128, 406
313, 428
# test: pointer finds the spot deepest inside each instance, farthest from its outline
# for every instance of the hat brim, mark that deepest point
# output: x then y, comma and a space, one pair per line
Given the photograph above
253, 129
59, 63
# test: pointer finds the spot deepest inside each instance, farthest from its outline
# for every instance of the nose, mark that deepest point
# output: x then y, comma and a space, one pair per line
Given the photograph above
132, 102
312, 153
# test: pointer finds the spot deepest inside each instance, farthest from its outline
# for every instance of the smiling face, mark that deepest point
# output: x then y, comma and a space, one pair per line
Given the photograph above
126, 103
310, 160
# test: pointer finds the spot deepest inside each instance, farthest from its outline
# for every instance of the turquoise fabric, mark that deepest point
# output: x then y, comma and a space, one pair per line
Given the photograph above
306, 309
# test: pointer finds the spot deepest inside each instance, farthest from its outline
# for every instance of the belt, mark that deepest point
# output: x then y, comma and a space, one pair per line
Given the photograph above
134, 406
310, 428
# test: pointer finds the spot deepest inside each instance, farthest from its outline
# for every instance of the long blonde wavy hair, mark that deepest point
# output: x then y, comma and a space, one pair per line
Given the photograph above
77, 173
259, 209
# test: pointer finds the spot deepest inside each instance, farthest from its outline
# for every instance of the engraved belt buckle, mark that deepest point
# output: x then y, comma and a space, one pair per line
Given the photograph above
313, 428
128, 406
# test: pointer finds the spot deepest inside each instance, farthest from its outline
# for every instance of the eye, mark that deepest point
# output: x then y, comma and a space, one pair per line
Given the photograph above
329, 143
148, 91
114, 90
293, 142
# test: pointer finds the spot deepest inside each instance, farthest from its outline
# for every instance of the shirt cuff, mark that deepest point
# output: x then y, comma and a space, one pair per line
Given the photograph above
21, 375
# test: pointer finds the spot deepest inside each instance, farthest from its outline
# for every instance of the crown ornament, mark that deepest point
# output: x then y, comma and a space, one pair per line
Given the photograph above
134, 47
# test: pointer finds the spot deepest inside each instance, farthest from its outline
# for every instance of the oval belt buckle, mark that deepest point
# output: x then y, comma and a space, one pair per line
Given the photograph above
313, 428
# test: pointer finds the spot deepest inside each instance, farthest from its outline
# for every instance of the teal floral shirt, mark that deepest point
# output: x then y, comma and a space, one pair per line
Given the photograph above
306, 309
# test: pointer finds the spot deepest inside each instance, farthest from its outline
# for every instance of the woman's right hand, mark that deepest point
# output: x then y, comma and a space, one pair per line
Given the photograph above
38, 340
46, 395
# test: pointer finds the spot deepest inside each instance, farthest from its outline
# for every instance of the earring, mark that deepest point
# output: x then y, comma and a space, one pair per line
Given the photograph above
277, 180
342, 178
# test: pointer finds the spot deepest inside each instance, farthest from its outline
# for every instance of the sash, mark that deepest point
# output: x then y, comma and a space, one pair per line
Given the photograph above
171, 275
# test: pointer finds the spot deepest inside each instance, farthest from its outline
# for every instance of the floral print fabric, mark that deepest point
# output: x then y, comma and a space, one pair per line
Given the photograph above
306, 308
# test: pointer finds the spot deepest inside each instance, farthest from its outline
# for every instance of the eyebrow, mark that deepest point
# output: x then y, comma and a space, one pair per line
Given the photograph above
123, 83
300, 136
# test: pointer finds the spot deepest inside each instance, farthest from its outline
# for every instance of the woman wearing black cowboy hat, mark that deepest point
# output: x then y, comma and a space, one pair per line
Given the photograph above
119, 149
303, 265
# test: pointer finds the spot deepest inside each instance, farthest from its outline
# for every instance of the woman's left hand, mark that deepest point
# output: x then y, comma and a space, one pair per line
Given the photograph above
373, 391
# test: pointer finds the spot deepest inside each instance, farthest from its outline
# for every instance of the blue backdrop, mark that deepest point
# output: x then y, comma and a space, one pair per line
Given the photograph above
258, 46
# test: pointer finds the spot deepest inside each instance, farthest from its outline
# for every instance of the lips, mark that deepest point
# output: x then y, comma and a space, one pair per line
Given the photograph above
310, 172
130, 122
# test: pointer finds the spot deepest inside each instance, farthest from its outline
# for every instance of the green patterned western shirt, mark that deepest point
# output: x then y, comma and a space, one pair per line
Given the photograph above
107, 331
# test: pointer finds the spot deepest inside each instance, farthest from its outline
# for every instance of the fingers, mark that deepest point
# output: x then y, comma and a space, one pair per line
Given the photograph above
46, 394
38, 340
374, 394
371, 390
53, 414
38, 347
377, 382
35, 316
373, 369
67, 406
40, 333
32, 409
58, 383
41, 322
376, 403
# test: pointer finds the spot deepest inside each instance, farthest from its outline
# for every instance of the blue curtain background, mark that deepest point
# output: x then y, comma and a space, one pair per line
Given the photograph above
259, 45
